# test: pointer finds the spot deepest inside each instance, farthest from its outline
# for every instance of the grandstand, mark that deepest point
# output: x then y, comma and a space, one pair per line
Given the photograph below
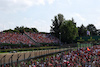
27, 38
14, 38
43, 38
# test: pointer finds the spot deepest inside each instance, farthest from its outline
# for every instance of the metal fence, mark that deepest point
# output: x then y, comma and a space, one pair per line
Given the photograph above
13, 58
28, 56
16, 59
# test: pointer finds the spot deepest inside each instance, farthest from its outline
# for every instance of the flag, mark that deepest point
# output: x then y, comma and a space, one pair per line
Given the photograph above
88, 32
88, 49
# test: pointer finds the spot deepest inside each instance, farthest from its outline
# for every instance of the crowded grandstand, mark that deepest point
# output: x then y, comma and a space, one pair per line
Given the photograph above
27, 38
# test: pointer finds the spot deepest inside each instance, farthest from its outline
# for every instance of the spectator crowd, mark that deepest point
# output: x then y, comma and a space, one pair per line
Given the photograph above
82, 57
43, 38
18, 38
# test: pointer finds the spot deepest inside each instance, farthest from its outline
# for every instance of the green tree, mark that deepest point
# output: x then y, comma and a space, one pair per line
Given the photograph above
92, 29
10, 30
26, 29
56, 23
69, 31
22, 29
34, 30
82, 30
98, 32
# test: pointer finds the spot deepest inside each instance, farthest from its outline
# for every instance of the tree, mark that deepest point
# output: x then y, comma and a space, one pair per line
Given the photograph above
26, 29
56, 23
92, 29
69, 31
10, 30
34, 30
82, 30
22, 29
73, 21
98, 32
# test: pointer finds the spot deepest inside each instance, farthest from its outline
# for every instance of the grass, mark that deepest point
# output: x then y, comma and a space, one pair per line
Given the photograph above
27, 49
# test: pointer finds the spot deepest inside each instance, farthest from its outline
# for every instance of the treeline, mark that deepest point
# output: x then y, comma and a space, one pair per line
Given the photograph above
67, 31
22, 29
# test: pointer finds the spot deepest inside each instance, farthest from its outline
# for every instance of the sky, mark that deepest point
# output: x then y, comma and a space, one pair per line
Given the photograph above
38, 13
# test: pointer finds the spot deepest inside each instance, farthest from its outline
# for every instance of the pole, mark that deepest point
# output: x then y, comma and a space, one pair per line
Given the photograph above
60, 37
12, 60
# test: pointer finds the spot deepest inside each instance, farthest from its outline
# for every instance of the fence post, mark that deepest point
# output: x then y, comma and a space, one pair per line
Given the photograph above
11, 60
18, 58
0, 62
24, 56
4, 59
29, 55
48, 51
40, 52
36, 53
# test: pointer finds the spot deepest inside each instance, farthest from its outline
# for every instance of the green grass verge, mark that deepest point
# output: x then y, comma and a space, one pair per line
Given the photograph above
27, 49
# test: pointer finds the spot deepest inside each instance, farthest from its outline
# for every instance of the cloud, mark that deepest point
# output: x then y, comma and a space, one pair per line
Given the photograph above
79, 17
97, 23
6, 25
38, 2
50, 1
41, 25
2, 27
69, 1
27, 19
16, 5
